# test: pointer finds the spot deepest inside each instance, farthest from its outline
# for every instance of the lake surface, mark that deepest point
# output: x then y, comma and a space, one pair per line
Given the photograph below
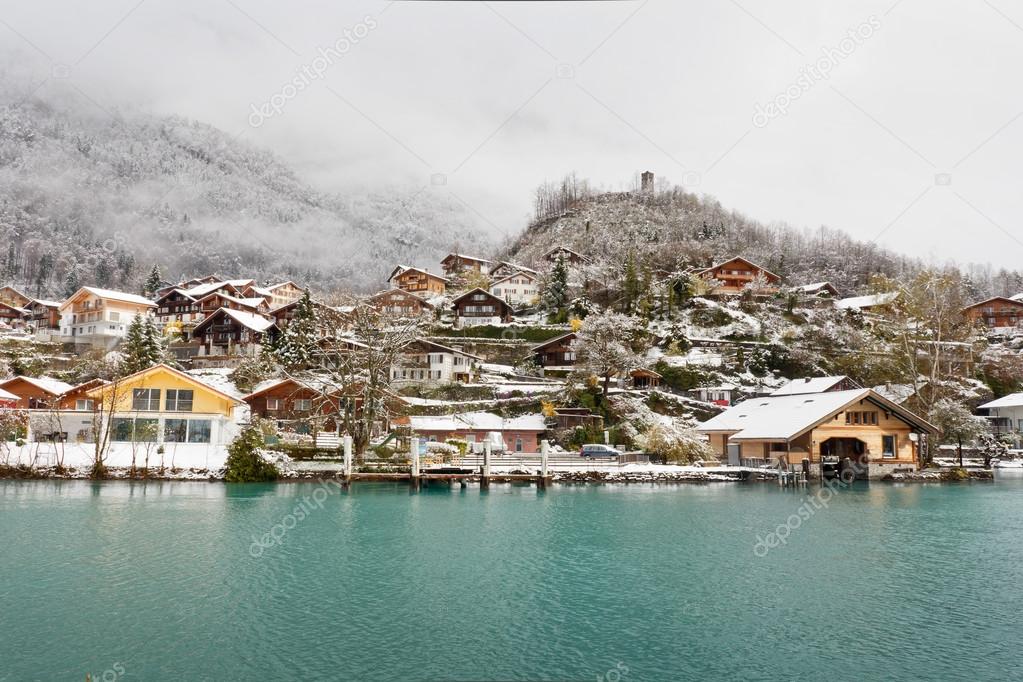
201, 581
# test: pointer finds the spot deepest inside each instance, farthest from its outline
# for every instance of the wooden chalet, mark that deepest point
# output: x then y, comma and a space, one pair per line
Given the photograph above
79, 398
400, 303
734, 274
460, 264
11, 315
297, 405
996, 312
35, 393
643, 378
832, 431
43, 314
478, 307
417, 281
824, 292
13, 297
228, 336
556, 353
571, 258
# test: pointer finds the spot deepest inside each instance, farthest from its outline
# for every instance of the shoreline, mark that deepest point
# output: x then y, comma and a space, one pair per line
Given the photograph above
9, 473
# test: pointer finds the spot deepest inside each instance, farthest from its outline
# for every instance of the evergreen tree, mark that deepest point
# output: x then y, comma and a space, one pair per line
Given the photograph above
142, 346
244, 463
555, 294
152, 282
71, 284
297, 347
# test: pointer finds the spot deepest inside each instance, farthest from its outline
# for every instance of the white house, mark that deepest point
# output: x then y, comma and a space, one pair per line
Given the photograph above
100, 317
517, 289
432, 364
1006, 414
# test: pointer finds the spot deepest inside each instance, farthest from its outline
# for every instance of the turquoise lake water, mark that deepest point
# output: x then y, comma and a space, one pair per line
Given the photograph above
200, 581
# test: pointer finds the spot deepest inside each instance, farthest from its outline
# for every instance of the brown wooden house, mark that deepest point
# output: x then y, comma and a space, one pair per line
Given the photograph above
227, 336
12, 315
736, 273
477, 307
418, 281
556, 353
43, 314
996, 312
460, 264
13, 297
302, 406
35, 393
78, 398
400, 303
571, 258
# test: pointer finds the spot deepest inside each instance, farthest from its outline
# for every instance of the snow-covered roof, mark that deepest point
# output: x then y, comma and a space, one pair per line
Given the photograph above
6, 395
1017, 297
247, 302
477, 421
48, 384
217, 378
870, 301
897, 393
809, 385
204, 289
782, 418
530, 274
462, 256
111, 294
816, 287
403, 269
252, 321
1011, 400
46, 302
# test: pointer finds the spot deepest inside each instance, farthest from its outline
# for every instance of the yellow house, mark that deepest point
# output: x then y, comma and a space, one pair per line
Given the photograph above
831, 429
172, 407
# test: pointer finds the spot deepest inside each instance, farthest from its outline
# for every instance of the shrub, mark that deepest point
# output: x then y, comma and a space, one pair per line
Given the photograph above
244, 462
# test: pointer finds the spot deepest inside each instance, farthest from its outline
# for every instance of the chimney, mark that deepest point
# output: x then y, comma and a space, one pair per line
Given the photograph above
648, 182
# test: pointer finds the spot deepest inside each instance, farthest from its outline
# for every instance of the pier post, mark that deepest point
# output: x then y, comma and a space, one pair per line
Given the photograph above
347, 444
544, 452
414, 455
485, 478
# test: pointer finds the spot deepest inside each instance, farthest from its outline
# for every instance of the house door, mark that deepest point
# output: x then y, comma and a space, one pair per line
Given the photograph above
845, 458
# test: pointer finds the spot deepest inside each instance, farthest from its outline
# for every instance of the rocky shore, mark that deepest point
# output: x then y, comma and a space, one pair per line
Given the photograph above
943, 476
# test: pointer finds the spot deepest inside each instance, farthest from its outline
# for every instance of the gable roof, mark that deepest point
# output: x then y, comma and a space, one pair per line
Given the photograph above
404, 269
175, 372
740, 259
49, 385
477, 290
1011, 400
20, 311
108, 294
252, 321
550, 342
869, 301
557, 249
312, 385
462, 256
5, 395
401, 292
818, 287
1014, 302
513, 266
810, 385
783, 418
529, 274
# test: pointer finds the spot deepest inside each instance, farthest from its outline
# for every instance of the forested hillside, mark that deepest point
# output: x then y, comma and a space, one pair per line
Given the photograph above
668, 229
97, 200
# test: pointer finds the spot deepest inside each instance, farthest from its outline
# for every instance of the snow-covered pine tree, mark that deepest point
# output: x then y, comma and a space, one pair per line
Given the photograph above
297, 347
71, 284
142, 346
153, 281
555, 294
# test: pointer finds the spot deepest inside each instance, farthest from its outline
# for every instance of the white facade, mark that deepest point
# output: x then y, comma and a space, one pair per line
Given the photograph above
518, 289
100, 317
433, 368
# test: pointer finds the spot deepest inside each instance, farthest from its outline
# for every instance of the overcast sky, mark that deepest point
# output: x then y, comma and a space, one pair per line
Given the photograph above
909, 131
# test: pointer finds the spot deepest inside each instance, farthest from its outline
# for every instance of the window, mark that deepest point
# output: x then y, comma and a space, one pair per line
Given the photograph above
85, 405
175, 430
114, 316
518, 444
867, 418
272, 404
147, 399
303, 405
888, 446
179, 400
199, 430
120, 430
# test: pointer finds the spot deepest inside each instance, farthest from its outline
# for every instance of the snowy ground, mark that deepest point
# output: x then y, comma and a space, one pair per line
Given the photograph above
190, 458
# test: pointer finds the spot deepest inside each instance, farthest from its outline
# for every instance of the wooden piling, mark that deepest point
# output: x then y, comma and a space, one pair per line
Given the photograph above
541, 481
347, 475
485, 474
414, 456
